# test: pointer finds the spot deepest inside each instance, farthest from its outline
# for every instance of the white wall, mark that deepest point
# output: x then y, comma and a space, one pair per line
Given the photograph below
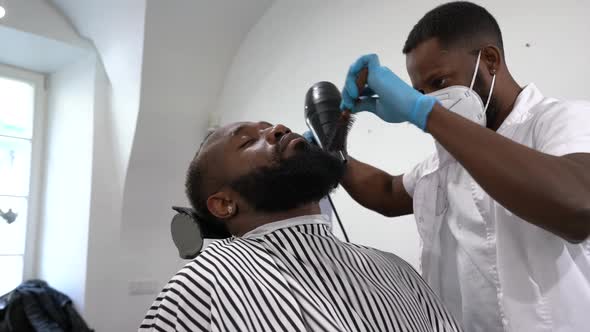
299, 43
38, 17
35, 36
63, 237
118, 82
104, 271
117, 30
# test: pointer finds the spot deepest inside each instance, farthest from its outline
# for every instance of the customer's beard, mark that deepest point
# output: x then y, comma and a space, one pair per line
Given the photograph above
306, 177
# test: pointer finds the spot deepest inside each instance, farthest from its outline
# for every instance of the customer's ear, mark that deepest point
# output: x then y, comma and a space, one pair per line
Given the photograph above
221, 205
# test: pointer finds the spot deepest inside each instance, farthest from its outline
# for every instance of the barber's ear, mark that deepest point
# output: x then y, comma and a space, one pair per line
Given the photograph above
221, 205
491, 55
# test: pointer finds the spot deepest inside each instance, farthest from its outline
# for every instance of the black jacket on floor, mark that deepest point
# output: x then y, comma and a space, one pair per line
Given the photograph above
35, 307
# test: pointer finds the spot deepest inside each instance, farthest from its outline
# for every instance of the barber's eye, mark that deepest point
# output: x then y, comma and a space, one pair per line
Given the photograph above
439, 83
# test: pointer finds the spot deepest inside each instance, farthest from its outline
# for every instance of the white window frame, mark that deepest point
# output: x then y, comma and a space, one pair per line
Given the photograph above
37, 80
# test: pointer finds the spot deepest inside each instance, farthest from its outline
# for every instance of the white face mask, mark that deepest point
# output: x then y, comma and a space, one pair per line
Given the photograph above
464, 100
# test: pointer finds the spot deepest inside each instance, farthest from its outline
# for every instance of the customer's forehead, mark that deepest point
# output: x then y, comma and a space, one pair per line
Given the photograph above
221, 137
235, 129
226, 132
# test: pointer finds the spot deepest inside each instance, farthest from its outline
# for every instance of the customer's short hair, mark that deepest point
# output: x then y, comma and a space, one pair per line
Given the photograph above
195, 184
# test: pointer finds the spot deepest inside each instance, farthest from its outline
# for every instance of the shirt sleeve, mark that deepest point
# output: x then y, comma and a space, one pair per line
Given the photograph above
411, 178
564, 129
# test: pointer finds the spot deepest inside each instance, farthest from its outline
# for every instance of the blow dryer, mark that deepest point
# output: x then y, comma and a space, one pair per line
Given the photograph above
328, 124
324, 118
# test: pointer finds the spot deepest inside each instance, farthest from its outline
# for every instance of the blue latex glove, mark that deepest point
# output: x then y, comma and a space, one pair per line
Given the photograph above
396, 102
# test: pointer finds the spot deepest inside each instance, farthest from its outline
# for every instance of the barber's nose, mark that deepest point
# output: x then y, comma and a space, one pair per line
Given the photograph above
276, 132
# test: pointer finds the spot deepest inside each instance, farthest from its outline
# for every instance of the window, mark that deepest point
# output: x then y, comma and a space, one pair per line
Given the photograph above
20, 124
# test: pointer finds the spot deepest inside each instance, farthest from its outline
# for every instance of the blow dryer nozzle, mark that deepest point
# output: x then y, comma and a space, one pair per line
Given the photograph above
328, 124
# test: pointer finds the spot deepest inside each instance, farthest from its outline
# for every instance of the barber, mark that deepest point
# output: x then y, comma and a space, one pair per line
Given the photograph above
503, 206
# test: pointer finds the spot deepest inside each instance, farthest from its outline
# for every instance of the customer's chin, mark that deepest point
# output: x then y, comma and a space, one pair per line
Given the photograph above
295, 149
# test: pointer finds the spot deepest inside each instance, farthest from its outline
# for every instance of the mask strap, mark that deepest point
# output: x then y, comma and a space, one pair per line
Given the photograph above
473, 82
490, 94
475, 71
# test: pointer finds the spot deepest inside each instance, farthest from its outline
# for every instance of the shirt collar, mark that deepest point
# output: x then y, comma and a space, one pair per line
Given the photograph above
276, 225
526, 99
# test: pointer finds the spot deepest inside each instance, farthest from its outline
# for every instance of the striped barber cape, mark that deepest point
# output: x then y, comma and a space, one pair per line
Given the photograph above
295, 275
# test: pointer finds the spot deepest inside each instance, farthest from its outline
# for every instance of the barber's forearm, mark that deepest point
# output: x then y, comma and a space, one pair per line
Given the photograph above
376, 189
548, 191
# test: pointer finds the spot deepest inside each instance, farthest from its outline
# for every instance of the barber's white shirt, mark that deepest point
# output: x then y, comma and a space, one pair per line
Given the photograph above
493, 270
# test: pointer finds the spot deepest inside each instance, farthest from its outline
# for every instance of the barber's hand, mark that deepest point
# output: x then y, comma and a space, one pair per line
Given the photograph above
396, 102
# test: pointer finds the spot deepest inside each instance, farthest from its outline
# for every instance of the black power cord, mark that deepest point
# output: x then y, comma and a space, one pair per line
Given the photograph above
338, 218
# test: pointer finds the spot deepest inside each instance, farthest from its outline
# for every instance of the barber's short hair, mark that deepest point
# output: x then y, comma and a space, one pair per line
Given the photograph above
456, 23
195, 184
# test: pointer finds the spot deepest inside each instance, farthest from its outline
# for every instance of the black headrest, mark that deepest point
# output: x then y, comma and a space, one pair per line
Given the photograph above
188, 232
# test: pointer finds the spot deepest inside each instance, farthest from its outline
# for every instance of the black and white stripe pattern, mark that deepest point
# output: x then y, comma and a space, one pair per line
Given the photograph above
298, 278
